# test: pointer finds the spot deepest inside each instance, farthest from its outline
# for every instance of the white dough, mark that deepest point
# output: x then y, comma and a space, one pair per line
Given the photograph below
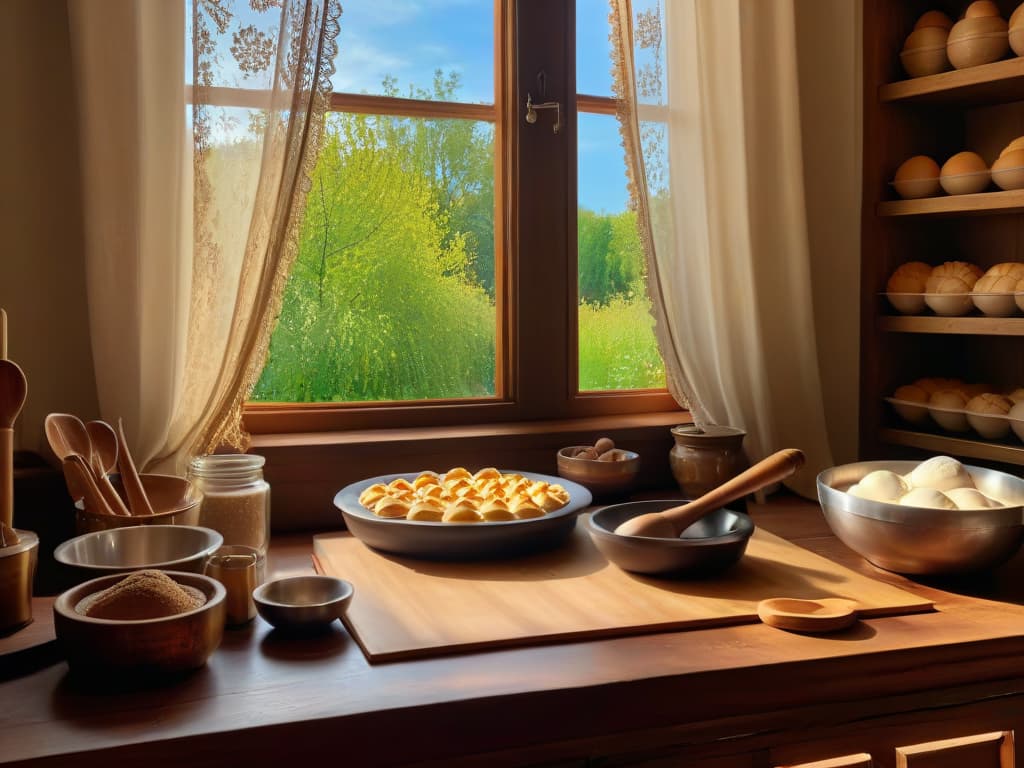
970, 498
928, 498
881, 485
941, 473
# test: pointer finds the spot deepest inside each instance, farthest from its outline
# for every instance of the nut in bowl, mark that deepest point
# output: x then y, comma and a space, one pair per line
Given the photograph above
606, 473
901, 535
183, 638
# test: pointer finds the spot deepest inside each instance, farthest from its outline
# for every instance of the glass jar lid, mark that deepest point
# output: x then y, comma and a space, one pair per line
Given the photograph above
227, 466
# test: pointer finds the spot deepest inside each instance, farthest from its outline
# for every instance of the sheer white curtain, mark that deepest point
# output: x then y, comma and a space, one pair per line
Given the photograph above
711, 123
193, 197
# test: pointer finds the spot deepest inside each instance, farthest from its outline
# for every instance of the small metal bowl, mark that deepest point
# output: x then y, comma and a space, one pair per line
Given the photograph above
921, 541
119, 550
604, 479
302, 601
169, 644
711, 545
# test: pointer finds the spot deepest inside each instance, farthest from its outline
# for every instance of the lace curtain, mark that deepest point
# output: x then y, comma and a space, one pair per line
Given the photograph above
200, 123
710, 119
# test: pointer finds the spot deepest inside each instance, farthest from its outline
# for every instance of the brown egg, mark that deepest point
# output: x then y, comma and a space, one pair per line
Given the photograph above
977, 40
917, 177
987, 412
965, 173
934, 19
1016, 32
911, 393
905, 287
1008, 170
924, 52
1017, 17
946, 409
1017, 143
993, 293
981, 8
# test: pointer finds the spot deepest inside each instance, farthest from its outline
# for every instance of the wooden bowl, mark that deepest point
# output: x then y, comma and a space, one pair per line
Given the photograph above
604, 479
175, 501
170, 644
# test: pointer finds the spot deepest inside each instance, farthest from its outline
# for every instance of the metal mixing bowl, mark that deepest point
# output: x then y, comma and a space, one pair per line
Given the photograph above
711, 545
119, 550
302, 601
920, 541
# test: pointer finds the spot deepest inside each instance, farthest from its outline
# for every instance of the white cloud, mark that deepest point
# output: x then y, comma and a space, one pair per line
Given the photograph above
361, 65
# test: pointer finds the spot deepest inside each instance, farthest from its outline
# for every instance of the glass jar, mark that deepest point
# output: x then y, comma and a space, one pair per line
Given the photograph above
236, 498
704, 458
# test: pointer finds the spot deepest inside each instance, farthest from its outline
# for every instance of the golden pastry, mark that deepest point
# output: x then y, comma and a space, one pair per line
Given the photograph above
373, 494
426, 510
391, 506
496, 510
461, 512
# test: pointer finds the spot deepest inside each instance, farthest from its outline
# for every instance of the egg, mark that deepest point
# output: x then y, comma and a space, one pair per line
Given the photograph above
965, 173
993, 293
1017, 143
934, 19
1016, 32
916, 177
946, 409
911, 393
924, 51
908, 279
1016, 417
1008, 170
948, 289
970, 498
941, 473
981, 8
977, 40
987, 414
929, 498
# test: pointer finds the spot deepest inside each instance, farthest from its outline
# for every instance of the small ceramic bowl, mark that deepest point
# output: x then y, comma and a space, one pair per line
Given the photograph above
168, 644
604, 479
119, 550
303, 601
711, 545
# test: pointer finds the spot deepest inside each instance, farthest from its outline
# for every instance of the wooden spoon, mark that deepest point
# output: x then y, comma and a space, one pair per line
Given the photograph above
3, 334
822, 615
68, 436
104, 461
670, 523
137, 501
82, 485
13, 391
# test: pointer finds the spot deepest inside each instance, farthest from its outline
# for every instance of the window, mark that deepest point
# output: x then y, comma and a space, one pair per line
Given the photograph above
437, 280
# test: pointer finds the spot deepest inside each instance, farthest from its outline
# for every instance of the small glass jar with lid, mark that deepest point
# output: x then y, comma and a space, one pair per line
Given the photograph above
236, 498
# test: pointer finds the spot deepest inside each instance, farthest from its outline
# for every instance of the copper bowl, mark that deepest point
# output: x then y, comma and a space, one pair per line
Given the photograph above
17, 569
168, 644
604, 479
175, 501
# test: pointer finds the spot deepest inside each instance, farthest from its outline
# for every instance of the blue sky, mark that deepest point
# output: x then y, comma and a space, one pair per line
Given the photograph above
409, 39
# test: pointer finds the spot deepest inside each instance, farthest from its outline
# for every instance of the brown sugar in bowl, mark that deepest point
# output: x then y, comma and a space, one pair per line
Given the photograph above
167, 644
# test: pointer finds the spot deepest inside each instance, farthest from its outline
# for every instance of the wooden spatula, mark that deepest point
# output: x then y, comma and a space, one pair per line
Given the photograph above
137, 501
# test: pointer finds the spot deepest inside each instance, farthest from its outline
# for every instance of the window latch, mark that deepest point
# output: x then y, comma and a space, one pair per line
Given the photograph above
531, 112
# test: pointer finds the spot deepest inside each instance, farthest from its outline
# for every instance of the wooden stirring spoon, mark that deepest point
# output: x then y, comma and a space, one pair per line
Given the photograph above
13, 391
68, 436
82, 485
103, 461
670, 523
137, 501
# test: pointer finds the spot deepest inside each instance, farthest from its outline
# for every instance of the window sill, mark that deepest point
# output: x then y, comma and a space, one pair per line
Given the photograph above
306, 470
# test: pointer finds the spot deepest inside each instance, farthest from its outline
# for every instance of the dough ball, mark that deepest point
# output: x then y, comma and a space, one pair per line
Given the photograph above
929, 498
953, 277
969, 498
990, 403
940, 473
881, 485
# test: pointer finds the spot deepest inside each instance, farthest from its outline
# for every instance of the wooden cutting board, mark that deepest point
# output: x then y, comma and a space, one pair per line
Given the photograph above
406, 608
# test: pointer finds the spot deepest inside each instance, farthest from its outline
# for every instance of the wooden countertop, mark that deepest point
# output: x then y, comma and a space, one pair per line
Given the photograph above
264, 697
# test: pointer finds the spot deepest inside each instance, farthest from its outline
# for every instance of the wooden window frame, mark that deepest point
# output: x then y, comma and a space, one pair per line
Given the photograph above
535, 380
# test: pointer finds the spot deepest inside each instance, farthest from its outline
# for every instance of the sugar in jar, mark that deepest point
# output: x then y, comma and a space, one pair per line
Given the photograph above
236, 498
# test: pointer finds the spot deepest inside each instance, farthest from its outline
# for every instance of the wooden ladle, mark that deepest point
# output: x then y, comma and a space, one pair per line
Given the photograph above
13, 391
670, 523
137, 500
68, 437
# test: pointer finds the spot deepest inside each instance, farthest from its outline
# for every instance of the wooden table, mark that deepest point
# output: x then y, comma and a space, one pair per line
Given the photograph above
720, 698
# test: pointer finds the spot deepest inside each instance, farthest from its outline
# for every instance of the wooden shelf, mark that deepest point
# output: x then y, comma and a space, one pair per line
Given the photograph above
996, 83
980, 204
955, 446
974, 326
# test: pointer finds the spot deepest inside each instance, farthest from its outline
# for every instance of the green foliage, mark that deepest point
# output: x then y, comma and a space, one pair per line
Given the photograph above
392, 293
